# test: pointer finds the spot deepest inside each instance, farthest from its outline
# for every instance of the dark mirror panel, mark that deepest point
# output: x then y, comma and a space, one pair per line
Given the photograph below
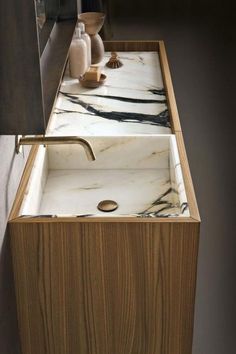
68, 9
51, 14
92, 5
52, 8
33, 61
40, 13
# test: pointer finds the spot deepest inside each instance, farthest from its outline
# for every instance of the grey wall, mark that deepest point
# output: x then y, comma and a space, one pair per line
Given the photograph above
11, 167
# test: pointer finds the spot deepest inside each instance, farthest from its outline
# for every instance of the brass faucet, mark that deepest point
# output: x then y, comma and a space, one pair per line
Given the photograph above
55, 140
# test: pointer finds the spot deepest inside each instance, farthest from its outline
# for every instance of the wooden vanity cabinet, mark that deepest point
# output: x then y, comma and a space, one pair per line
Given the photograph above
107, 285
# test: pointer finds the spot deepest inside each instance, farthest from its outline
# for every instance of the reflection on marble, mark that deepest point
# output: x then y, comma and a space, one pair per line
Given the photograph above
177, 181
132, 101
36, 184
141, 173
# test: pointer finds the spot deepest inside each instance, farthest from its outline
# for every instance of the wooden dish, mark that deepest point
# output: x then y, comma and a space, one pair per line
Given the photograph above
92, 84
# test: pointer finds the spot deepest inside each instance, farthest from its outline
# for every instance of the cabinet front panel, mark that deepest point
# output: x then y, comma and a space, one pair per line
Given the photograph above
120, 288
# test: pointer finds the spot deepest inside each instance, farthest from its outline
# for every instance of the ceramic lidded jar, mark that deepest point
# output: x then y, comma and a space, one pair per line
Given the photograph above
93, 23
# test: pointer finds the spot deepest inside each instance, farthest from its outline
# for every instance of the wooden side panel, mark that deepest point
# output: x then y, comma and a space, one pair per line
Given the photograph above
105, 288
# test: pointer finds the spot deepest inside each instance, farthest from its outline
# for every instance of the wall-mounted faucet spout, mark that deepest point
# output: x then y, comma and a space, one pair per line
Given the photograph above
56, 140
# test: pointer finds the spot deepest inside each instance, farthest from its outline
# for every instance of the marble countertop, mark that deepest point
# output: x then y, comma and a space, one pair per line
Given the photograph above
132, 101
127, 123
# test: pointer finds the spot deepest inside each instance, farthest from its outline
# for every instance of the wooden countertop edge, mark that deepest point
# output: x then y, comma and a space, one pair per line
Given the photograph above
174, 114
102, 220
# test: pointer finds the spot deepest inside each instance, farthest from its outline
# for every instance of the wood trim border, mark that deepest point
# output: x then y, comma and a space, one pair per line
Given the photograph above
81, 220
23, 184
174, 114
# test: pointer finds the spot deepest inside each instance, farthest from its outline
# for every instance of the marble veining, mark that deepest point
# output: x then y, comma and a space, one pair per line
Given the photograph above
119, 116
132, 101
165, 205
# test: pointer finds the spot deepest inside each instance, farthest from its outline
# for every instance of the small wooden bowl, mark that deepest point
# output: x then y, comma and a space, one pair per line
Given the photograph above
92, 84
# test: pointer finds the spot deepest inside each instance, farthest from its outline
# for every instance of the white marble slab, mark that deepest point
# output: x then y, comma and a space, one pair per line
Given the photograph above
142, 174
132, 101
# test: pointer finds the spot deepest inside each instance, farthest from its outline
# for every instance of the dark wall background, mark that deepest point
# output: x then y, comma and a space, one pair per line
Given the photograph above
152, 8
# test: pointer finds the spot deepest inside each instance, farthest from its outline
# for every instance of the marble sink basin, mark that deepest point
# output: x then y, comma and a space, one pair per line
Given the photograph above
141, 173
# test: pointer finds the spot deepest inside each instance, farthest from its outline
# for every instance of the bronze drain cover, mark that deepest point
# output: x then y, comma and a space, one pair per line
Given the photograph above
107, 205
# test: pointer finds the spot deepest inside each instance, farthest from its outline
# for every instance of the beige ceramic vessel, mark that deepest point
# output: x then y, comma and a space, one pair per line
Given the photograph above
93, 23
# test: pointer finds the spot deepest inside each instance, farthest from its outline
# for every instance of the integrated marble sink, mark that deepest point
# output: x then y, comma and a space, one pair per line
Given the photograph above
141, 173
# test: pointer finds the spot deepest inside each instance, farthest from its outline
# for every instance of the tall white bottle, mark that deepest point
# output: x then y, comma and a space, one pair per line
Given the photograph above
87, 39
78, 57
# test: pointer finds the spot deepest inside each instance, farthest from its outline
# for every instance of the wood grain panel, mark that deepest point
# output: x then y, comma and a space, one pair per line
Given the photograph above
105, 287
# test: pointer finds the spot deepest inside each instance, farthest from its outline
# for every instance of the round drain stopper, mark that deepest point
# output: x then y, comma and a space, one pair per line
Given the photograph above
107, 205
